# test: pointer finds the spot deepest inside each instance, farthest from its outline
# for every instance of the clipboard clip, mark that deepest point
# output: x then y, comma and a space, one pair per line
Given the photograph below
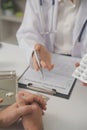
45, 90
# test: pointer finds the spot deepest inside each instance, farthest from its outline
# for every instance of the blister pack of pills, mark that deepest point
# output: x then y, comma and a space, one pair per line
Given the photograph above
80, 72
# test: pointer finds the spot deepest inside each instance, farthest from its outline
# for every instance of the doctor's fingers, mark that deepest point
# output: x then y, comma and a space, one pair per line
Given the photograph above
43, 64
35, 64
77, 64
84, 84
47, 65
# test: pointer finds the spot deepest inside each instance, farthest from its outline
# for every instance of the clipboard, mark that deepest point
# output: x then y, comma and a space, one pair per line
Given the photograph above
8, 85
59, 81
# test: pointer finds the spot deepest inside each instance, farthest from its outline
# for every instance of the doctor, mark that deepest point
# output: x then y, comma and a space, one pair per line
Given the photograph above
58, 26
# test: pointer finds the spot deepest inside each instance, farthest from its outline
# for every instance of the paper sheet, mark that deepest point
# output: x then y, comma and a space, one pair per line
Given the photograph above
60, 78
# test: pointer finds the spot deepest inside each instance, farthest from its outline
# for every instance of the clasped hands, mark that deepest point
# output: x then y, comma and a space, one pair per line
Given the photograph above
29, 107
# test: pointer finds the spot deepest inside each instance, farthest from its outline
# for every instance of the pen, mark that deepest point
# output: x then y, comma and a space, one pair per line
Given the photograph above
38, 61
36, 88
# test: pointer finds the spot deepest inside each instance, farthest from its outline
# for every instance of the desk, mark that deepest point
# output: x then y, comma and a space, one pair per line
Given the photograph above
12, 58
61, 114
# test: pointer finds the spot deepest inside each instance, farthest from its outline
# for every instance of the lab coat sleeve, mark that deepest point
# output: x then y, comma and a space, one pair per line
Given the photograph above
29, 32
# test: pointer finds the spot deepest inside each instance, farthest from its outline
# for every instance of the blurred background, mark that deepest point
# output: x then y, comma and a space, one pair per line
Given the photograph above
11, 15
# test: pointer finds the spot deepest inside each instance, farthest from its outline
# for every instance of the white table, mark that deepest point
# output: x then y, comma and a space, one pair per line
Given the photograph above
61, 114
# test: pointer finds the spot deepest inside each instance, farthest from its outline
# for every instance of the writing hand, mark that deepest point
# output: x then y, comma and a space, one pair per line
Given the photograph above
45, 58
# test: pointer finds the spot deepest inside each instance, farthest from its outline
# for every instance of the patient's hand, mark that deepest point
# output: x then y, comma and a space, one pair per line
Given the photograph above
1, 100
26, 98
33, 121
11, 114
22, 107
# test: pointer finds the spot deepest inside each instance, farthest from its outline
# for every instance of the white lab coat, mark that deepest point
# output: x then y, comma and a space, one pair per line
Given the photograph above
29, 32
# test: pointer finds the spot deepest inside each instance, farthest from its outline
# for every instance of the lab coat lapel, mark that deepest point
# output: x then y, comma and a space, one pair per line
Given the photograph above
52, 23
80, 20
55, 15
53, 11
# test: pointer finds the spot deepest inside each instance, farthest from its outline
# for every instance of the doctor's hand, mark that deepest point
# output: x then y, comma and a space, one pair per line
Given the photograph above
77, 65
45, 58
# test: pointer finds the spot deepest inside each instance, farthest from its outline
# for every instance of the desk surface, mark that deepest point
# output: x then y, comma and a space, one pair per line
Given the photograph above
12, 58
61, 114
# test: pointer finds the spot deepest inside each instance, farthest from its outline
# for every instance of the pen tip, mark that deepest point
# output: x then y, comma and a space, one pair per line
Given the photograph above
43, 77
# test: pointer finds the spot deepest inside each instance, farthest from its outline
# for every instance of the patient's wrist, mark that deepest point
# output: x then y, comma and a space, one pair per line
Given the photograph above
30, 124
1, 120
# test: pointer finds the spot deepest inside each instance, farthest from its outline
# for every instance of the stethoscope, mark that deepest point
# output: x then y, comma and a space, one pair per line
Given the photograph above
43, 32
51, 31
82, 31
41, 2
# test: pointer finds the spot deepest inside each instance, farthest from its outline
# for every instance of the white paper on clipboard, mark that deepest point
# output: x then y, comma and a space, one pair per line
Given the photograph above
60, 78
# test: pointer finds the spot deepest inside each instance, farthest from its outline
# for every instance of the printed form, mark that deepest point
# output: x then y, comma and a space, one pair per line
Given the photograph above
60, 78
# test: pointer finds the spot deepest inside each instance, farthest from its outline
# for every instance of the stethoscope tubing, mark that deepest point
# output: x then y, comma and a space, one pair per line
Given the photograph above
46, 33
43, 32
41, 2
82, 30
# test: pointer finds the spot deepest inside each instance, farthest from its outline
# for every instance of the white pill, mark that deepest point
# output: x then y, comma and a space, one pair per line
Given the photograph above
10, 94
